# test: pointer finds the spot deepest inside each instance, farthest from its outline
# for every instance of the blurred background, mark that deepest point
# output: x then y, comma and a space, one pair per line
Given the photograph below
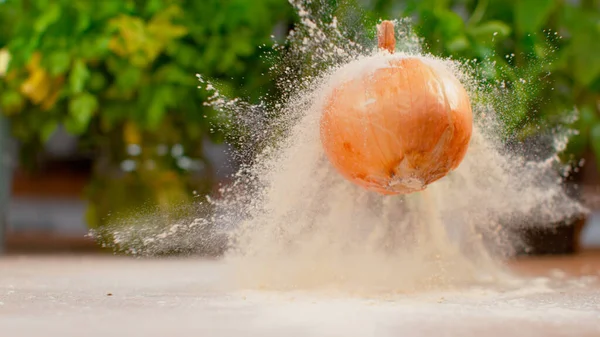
100, 113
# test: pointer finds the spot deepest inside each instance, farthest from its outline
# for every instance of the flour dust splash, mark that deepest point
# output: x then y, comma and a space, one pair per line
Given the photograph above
292, 222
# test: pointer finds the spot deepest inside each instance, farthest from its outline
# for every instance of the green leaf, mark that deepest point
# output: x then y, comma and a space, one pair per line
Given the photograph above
595, 141
58, 62
490, 30
10, 101
78, 76
576, 146
129, 78
531, 15
458, 44
155, 113
153, 6
92, 47
83, 22
109, 9
588, 116
162, 98
584, 47
115, 112
186, 55
578, 142
451, 24
81, 111
48, 130
174, 74
97, 81
49, 16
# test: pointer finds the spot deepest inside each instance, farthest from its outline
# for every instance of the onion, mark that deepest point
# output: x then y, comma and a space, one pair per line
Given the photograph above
398, 128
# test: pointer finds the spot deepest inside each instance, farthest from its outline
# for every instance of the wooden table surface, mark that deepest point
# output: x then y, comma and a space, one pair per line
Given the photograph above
580, 264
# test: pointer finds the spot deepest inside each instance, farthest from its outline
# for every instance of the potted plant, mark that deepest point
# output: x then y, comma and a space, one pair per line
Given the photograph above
120, 75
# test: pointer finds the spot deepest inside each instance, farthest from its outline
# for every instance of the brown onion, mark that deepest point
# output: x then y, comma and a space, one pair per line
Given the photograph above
398, 128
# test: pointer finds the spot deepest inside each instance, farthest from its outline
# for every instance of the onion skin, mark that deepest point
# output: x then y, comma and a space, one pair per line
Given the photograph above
399, 128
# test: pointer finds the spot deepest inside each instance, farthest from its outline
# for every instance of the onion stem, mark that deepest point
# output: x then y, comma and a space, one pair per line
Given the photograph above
385, 36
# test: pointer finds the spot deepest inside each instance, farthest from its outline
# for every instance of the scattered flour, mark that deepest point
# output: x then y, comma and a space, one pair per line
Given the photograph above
292, 222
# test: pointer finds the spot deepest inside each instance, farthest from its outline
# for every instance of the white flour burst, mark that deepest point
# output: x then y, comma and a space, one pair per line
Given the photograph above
292, 222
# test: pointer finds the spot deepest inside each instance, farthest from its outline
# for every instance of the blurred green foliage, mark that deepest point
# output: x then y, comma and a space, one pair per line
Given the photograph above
120, 74
545, 51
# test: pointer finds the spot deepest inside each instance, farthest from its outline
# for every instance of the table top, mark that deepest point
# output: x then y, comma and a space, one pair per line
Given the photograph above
581, 264
115, 296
